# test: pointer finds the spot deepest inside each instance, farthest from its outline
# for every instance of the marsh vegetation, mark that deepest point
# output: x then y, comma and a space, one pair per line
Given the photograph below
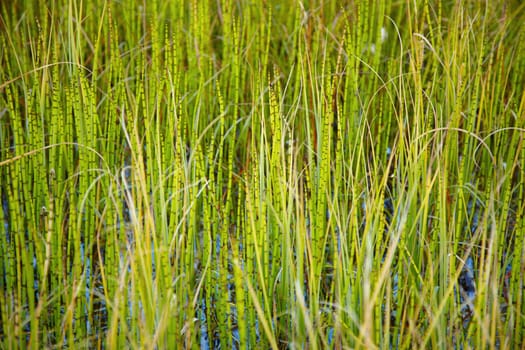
262, 174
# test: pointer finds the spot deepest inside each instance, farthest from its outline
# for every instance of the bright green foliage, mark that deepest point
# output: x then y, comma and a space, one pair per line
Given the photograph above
262, 174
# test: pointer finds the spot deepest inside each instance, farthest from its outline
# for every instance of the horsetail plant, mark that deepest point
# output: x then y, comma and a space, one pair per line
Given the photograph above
229, 174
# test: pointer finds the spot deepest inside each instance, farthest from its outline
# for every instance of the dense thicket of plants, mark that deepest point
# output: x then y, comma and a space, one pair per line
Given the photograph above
262, 174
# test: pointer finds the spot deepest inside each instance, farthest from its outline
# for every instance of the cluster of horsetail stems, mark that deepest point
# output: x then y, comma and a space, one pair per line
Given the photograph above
262, 174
